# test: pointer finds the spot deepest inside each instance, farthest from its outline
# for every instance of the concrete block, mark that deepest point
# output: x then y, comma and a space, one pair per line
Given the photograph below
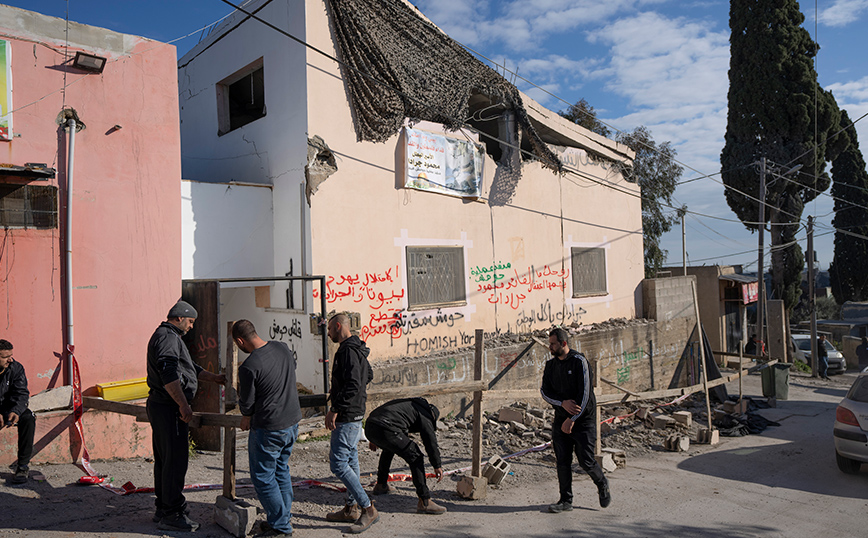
642, 413
661, 422
685, 418
495, 470
517, 427
473, 487
510, 414
677, 443
618, 456
50, 399
736, 408
709, 437
606, 461
237, 516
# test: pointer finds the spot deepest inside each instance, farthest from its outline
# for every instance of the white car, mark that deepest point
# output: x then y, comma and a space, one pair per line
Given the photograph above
851, 425
802, 352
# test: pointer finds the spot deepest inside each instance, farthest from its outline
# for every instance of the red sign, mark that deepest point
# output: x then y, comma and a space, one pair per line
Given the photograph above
749, 292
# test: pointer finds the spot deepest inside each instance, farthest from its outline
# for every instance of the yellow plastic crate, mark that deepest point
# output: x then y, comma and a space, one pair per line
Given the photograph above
122, 391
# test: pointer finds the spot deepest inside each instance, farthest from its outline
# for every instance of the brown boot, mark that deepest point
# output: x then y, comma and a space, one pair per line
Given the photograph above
350, 512
382, 489
427, 506
368, 518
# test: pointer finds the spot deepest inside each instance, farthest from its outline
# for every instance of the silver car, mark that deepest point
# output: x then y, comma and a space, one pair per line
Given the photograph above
802, 352
851, 427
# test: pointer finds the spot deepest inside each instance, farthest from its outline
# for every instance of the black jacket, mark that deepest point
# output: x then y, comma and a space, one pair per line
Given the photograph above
14, 395
169, 360
569, 379
350, 375
410, 415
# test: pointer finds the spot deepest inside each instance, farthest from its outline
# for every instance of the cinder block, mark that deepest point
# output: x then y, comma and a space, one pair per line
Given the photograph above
709, 437
47, 400
473, 487
685, 418
618, 456
661, 422
237, 516
495, 470
606, 461
677, 443
736, 408
510, 414
642, 413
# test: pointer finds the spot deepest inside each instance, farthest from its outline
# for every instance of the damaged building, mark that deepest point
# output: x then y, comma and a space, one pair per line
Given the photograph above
355, 139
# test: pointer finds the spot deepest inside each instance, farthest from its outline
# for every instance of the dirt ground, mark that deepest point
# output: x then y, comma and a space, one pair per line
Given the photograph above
52, 503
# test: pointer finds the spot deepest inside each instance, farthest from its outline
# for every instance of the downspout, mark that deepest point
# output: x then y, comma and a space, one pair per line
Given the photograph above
70, 332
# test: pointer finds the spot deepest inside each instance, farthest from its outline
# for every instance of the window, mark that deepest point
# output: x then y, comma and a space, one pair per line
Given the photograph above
435, 277
589, 271
28, 206
241, 98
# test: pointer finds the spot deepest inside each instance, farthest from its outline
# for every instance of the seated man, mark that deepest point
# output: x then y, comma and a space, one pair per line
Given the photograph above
14, 397
387, 428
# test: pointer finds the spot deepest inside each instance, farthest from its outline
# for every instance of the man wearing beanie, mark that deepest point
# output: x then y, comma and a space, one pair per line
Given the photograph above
173, 378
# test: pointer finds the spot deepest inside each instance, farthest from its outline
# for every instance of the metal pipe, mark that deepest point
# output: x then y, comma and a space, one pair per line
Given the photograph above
70, 332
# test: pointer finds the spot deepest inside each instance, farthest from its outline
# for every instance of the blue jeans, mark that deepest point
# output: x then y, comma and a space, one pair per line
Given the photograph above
344, 460
269, 452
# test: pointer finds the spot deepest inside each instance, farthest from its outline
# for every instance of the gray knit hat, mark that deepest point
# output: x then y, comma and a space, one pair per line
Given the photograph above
182, 309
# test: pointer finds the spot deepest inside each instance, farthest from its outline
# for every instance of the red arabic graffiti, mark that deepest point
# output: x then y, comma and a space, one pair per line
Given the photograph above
513, 291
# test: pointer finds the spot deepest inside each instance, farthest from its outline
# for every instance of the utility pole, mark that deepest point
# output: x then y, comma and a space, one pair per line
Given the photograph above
760, 280
683, 247
811, 301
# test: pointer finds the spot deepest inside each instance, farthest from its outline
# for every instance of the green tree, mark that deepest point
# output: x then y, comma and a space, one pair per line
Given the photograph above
584, 114
654, 169
847, 271
772, 88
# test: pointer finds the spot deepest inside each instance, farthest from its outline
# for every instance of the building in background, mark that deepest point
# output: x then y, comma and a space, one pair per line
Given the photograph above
126, 218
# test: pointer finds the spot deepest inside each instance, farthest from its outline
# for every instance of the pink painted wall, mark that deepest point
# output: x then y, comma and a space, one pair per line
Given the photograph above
126, 218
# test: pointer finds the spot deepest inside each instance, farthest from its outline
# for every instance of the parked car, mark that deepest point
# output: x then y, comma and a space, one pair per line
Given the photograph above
851, 425
802, 352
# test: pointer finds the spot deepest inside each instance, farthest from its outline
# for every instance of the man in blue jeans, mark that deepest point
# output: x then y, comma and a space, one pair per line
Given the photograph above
350, 375
268, 399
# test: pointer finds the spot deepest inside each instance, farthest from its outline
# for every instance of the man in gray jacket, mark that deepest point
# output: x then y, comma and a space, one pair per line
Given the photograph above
268, 399
173, 378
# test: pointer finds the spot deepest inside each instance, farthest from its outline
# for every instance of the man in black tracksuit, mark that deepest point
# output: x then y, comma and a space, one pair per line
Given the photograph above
173, 379
387, 428
14, 398
567, 386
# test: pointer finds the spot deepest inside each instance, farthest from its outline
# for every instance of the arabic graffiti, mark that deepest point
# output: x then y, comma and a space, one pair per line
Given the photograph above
374, 290
278, 332
500, 288
545, 314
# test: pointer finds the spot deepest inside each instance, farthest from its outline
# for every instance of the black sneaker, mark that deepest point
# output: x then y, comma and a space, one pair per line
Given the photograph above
177, 522
560, 506
20, 476
605, 494
159, 514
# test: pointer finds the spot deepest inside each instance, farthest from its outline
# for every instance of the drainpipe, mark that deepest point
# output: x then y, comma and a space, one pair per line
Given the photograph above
70, 333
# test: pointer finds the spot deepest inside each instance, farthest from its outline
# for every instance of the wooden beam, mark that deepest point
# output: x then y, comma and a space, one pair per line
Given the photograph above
622, 389
427, 390
476, 448
230, 402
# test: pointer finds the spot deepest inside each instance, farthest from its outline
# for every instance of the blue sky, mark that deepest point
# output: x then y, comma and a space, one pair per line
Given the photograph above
658, 63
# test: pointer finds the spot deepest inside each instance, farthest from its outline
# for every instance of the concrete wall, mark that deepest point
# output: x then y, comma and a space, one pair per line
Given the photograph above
362, 220
669, 298
126, 216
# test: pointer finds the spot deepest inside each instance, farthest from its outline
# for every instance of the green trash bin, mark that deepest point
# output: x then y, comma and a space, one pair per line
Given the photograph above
776, 381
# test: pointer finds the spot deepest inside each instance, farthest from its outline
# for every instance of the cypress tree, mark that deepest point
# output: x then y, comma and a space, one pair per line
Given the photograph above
847, 272
772, 85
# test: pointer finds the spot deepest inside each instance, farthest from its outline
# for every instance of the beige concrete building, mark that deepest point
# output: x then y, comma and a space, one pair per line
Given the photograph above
434, 208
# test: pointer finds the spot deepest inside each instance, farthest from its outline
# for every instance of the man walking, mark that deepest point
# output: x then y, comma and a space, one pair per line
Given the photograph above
173, 378
567, 386
14, 398
350, 375
268, 399
822, 357
387, 428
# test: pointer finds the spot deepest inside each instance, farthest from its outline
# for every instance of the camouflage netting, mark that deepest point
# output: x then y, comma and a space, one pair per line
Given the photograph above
434, 76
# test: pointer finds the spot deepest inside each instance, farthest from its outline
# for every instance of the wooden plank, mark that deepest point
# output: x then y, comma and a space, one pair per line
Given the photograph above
427, 390
598, 444
476, 449
611, 384
702, 354
229, 463
231, 391
121, 408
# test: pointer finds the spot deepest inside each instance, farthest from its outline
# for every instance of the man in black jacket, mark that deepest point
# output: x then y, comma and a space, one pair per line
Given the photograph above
173, 378
14, 398
268, 399
387, 428
350, 375
567, 386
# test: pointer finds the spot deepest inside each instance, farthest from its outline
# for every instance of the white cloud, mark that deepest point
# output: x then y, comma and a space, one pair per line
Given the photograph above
843, 12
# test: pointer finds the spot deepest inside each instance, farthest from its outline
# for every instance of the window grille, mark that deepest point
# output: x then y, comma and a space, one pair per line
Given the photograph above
589, 271
435, 277
28, 206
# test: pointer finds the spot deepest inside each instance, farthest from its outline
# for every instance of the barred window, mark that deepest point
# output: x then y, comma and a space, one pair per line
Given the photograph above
241, 98
28, 206
435, 277
589, 271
